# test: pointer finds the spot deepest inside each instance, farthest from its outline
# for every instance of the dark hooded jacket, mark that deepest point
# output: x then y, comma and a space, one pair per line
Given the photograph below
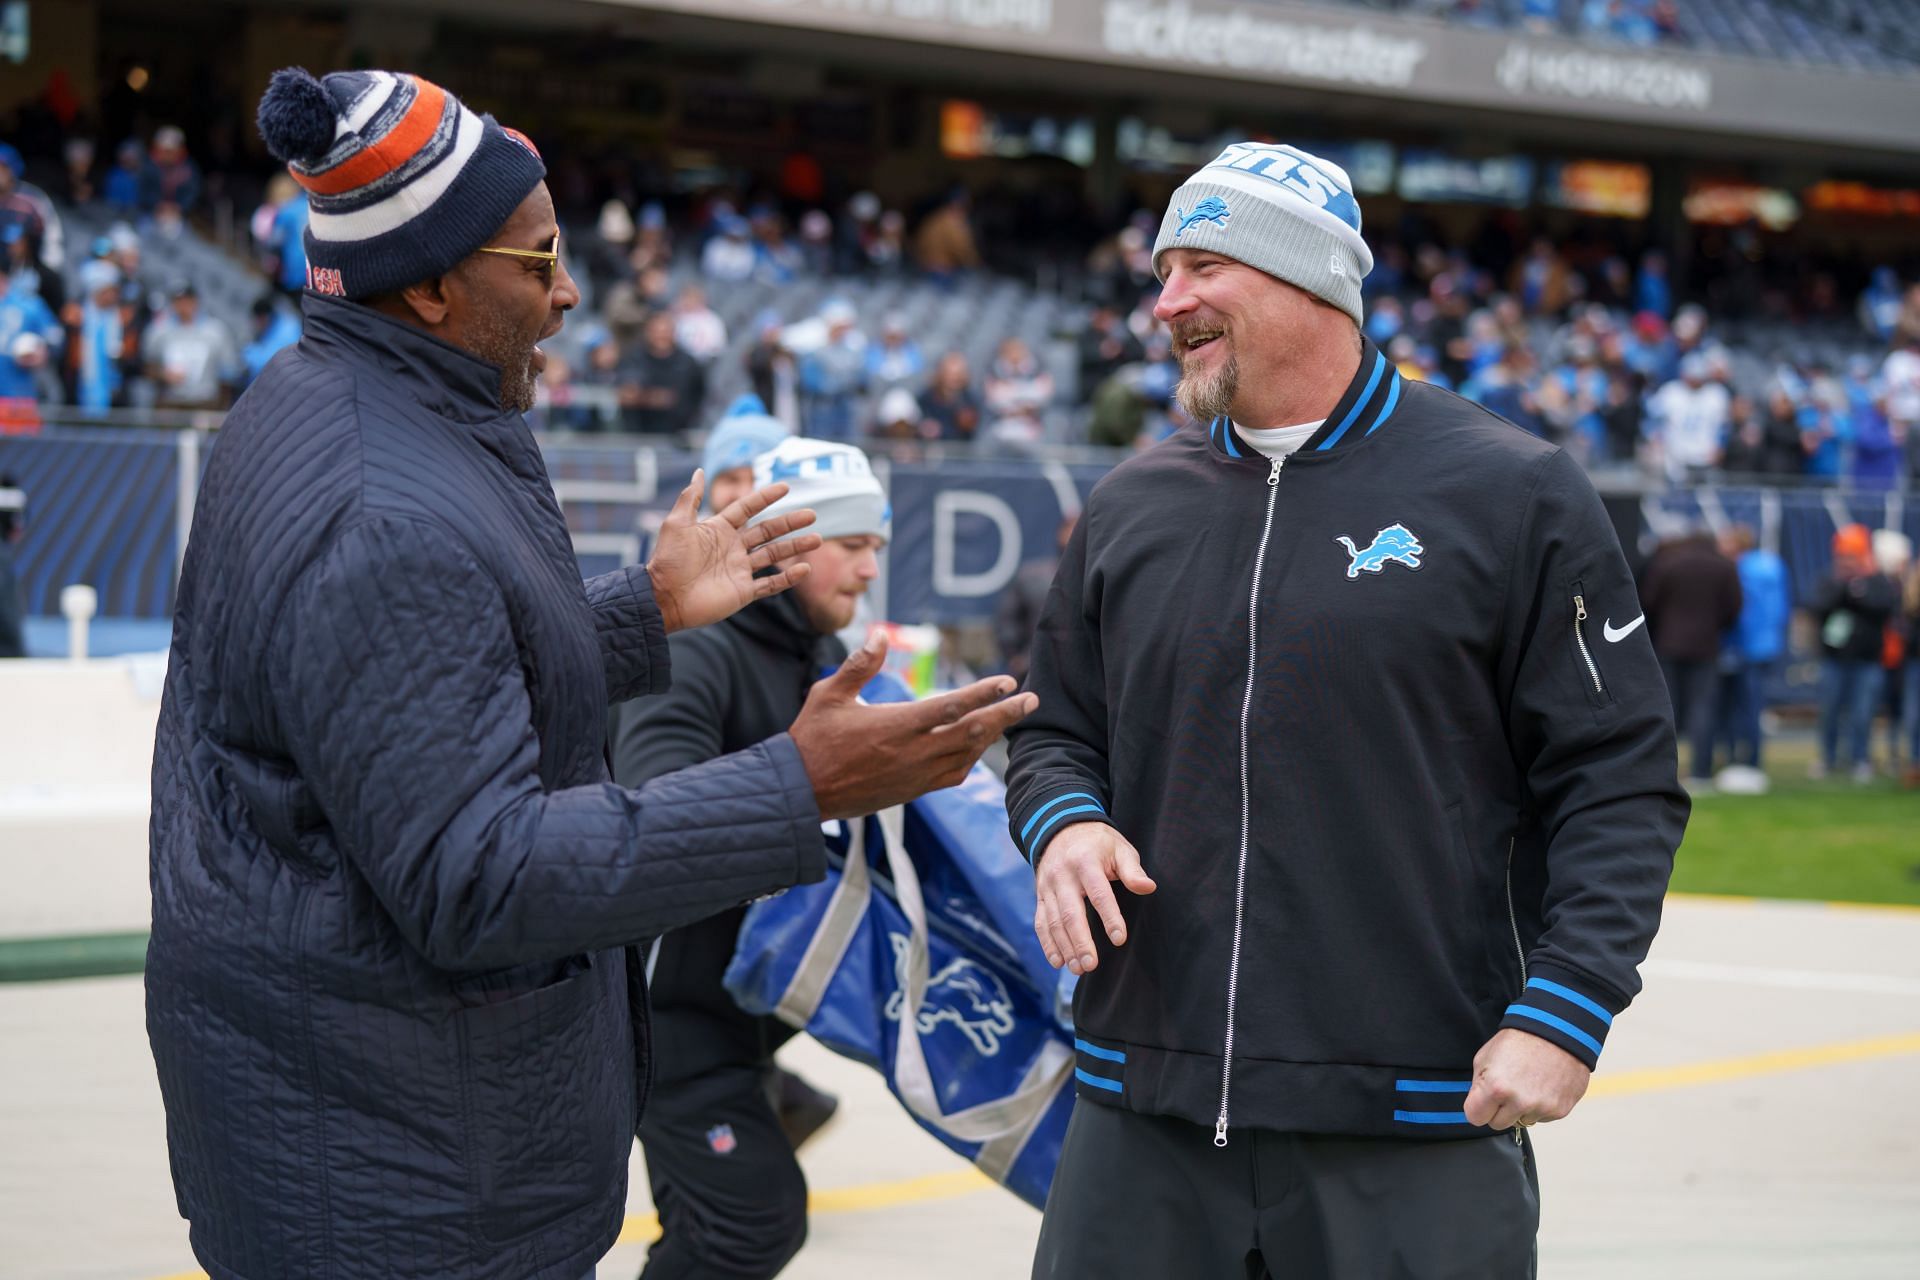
390, 986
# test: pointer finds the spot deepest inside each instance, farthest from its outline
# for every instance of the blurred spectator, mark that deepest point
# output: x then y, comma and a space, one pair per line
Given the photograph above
1910, 699
1104, 346
598, 377
1900, 392
1019, 389
1584, 385
834, 376
898, 417
1762, 445
895, 360
78, 156
1852, 608
698, 329
176, 176
284, 244
1505, 388
652, 240
30, 340
99, 344
1018, 612
13, 517
132, 187
1649, 349
190, 355
773, 370
1691, 594
1689, 420
1879, 308
950, 403
1874, 461
661, 386
1893, 556
1541, 280
729, 257
816, 242
1385, 319
943, 246
1907, 327
1754, 647
775, 261
275, 328
1652, 290
856, 235
743, 433
45, 233
608, 256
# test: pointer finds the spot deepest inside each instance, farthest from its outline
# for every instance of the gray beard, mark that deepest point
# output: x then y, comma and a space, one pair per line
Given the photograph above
1209, 396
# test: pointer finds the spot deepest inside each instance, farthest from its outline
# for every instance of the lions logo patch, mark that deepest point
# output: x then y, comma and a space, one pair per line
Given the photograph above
963, 994
1213, 209
1395, 542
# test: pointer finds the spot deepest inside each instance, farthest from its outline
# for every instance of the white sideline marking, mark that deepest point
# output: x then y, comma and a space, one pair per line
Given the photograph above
1879, 984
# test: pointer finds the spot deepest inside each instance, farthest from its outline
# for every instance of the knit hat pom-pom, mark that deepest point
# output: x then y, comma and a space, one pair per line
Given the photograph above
297, 117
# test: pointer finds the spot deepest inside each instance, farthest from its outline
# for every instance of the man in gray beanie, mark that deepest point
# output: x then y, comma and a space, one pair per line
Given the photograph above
392, 987
720, 1146
1343, 686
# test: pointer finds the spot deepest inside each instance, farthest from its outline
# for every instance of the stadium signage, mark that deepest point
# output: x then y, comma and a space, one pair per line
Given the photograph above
1031, 16
1579, 73
1245, 42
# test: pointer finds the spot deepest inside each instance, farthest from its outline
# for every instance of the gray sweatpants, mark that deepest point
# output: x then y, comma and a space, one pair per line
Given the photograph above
1151, 1197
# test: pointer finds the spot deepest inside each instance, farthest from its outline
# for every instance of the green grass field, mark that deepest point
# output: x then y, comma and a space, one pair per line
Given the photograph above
1830, 840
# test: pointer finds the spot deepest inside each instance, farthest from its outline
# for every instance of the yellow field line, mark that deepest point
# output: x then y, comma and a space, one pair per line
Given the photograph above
1744, 900
1758, 1064
643, 1228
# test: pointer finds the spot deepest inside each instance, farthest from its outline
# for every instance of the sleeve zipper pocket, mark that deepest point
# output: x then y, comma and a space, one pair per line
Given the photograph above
1598, 687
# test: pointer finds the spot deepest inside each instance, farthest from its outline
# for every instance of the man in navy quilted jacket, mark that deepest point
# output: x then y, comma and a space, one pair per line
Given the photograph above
391, 988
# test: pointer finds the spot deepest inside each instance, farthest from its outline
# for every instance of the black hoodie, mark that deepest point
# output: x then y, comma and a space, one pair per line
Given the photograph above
735, 683
1431, 795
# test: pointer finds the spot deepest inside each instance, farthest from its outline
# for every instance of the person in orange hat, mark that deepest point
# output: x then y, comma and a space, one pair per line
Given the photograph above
1852, 608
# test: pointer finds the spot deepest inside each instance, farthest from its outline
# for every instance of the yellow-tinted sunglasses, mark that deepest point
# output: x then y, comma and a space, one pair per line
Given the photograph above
550, 256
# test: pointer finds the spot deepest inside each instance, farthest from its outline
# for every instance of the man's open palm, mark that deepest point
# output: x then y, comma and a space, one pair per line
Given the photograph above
703, 570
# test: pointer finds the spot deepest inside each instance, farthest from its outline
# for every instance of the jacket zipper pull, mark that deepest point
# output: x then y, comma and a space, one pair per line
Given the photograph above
1273, 478
1579, 609
1220, 1125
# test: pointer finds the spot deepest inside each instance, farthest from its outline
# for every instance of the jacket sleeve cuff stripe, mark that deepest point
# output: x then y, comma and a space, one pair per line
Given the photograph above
1044, 820
1556, 1012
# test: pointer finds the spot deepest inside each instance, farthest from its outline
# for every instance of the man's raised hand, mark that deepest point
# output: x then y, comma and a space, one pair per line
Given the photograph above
703, 570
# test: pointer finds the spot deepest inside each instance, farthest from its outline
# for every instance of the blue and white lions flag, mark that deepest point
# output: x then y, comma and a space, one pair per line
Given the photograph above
916, 955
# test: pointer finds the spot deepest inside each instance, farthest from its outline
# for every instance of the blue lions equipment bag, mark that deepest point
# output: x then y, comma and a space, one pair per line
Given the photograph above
928, 908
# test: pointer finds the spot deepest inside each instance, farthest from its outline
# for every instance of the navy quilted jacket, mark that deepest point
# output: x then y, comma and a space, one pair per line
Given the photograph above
390, 989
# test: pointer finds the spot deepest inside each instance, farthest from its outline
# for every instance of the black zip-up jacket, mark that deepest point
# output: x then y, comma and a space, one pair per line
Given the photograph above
735, 684
1433, 794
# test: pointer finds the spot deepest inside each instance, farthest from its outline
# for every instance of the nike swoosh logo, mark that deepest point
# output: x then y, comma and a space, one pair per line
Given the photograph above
1615, 637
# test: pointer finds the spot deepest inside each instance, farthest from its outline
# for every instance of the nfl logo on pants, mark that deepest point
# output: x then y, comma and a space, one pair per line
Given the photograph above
721, 1139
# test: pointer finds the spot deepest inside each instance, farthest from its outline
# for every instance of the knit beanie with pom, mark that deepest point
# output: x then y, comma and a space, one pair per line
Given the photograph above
402, 181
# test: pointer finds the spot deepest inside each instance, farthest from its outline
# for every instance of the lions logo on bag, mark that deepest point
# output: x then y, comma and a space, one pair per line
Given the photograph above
963, 993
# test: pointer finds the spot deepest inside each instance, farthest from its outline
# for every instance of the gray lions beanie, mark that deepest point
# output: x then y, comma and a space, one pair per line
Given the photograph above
835, 480
1280, 210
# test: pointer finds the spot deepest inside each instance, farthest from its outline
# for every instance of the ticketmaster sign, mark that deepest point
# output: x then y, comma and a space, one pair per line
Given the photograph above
1386, 56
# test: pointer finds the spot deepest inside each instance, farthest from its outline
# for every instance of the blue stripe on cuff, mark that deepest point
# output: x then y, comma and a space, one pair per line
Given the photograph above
1433, 1086
1098, 1082
1572, 997
1037, 813
1379, 367
1054, 820
1111, 1055
1558, 1024
1432, 1117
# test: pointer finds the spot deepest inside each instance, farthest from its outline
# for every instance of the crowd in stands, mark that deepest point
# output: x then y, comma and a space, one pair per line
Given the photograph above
1573, 338
1874, 35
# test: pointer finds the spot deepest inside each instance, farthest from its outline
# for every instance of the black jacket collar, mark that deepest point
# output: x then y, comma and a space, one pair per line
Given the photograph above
1367, 404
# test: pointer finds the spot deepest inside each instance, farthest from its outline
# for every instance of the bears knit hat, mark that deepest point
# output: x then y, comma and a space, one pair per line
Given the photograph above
402, 181
743, 434
835, 480
1280, 210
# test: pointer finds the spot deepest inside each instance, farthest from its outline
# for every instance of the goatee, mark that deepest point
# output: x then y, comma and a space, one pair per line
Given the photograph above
1206, 396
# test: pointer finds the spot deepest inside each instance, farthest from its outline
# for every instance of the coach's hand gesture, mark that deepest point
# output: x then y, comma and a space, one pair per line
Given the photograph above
864, 758
703, 570
1080, 866
1520, 1079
